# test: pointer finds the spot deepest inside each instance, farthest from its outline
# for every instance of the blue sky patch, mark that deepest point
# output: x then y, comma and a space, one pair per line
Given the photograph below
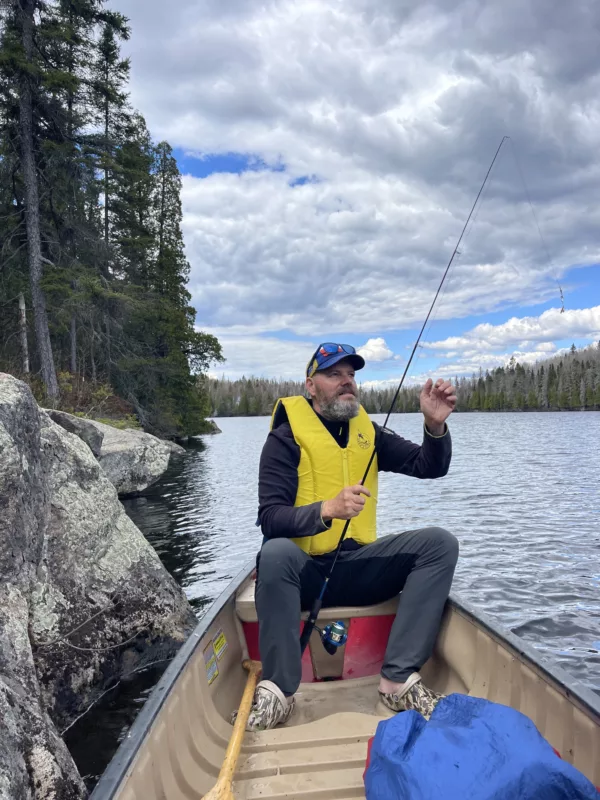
303, 180
201, 165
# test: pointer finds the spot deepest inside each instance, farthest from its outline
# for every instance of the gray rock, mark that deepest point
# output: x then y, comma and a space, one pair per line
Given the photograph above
176, 449
213, 427
34, 762
84, 599
83, 428
133, 460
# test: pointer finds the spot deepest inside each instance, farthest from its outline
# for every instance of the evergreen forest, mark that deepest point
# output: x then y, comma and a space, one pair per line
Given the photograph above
569, 382
94, 310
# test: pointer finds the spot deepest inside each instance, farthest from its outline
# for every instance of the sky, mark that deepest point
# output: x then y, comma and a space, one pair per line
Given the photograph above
331, 151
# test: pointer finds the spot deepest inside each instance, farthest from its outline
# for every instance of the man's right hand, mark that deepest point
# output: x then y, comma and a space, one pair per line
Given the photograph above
347, 504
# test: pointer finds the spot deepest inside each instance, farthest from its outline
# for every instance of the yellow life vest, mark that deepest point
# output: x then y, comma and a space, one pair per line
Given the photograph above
325, 469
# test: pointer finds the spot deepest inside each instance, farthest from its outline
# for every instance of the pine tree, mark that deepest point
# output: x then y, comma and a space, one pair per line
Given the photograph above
67, 36
589, 388
109, 76
86, 216
542, 388
544, 385
172, 268
28, 73
133, 227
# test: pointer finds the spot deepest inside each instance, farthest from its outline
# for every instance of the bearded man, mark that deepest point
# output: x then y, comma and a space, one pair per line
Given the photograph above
310, 476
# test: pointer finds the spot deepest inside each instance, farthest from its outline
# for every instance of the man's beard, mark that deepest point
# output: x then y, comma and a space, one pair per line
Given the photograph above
339, 409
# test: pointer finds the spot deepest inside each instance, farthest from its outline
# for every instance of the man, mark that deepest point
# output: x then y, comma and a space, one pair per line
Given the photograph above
311, 469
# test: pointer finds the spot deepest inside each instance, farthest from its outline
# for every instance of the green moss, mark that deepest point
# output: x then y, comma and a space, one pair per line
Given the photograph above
127, 422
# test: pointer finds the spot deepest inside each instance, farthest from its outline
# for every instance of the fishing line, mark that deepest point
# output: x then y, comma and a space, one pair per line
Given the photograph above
468, 232
309, 625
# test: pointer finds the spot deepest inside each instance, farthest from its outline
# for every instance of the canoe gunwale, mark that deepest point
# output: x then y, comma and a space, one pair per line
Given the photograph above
112, 778
546, 667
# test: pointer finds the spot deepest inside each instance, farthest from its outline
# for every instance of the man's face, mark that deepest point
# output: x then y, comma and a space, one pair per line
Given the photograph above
334, 391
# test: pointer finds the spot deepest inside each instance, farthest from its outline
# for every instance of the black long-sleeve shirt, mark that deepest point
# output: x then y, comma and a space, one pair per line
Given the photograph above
278, 474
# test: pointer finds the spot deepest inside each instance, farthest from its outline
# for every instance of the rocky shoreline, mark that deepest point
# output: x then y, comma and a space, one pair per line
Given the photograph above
84, 599
131, 459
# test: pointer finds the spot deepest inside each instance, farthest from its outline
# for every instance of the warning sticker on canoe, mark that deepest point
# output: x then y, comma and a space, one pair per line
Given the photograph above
210, 662
220, 644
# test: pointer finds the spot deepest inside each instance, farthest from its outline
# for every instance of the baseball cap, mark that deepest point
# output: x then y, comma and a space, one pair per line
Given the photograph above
329, 353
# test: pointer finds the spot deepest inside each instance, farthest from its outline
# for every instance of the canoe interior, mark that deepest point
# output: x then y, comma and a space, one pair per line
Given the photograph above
176, 746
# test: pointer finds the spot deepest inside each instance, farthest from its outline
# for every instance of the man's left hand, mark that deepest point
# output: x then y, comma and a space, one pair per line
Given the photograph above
437, 403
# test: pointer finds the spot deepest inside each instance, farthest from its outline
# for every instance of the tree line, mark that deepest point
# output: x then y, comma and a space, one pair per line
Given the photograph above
563, 383
93, 300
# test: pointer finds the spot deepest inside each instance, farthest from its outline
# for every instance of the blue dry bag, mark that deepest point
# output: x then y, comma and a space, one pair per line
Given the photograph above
471, 749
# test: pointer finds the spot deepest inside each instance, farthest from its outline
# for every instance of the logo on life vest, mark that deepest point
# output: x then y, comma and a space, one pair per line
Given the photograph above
363, 441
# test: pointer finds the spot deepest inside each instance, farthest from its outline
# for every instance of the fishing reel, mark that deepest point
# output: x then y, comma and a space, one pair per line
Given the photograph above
333, 636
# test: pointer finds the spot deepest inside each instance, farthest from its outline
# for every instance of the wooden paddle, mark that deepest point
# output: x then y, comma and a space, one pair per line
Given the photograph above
222, 789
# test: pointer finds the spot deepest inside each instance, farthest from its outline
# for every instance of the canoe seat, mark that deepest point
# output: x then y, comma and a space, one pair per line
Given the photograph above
246, 609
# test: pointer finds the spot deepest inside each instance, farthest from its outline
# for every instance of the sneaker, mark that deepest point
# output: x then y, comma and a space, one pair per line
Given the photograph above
269, 708
413, 697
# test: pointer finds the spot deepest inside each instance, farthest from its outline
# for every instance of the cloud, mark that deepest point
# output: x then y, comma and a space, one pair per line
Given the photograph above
320, 257
541, 347
484, 346
271, 357
582, 323
396, 108
375, 350
385, 383
470, 363
262, 357
466, 365
528, 339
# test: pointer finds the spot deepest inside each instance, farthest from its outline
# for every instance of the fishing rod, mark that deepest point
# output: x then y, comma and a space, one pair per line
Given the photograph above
310, 623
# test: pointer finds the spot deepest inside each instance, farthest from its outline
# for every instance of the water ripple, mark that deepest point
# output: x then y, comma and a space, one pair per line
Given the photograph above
522, 496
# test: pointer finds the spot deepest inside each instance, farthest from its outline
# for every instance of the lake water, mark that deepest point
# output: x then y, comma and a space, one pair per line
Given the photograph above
522, 496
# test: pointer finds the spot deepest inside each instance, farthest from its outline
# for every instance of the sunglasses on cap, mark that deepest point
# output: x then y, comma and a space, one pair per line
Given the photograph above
330, 353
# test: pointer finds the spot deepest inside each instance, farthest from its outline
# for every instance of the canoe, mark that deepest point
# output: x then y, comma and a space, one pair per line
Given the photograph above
176, 745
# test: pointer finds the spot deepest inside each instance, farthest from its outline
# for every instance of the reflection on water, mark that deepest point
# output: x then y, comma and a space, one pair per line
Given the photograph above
522, 496
166, 514
94, 739
201, 516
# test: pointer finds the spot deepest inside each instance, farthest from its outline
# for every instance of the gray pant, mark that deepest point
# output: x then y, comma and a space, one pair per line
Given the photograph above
419, 563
